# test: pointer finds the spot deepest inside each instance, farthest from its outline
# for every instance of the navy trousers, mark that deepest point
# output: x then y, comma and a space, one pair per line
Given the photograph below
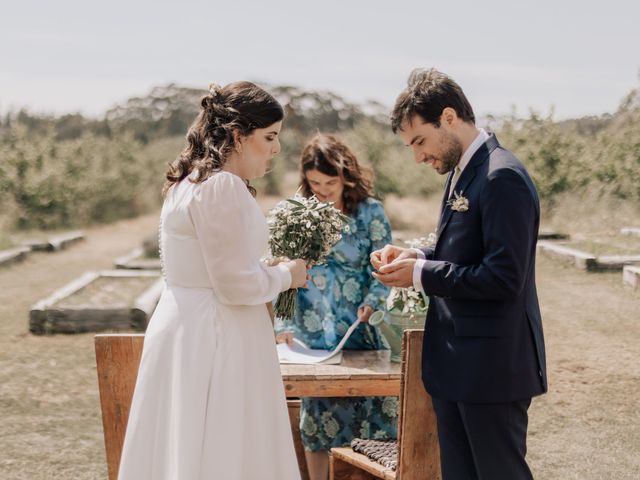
483, 441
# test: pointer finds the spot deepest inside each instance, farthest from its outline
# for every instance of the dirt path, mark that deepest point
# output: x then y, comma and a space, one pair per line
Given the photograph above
49, 406
587, 427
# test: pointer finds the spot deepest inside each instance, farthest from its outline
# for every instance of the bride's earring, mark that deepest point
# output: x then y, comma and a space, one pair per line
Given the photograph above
239, 150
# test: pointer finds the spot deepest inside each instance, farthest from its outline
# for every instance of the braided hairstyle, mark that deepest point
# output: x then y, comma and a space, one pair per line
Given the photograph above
239, 107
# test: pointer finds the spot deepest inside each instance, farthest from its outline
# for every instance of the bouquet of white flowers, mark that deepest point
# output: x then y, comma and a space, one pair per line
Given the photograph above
408, 300
303, 228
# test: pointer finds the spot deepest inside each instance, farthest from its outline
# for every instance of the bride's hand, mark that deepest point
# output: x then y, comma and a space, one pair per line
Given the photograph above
298, 269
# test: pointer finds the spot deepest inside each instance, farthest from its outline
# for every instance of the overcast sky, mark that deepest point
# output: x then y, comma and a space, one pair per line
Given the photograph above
581, 57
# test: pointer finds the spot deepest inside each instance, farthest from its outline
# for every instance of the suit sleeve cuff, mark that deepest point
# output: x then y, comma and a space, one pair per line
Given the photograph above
417, 274
420, 253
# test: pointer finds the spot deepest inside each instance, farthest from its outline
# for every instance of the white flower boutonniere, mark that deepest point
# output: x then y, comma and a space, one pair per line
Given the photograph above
458, 203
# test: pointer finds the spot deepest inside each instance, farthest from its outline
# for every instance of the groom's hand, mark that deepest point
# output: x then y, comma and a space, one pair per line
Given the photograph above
397, 274
388, 254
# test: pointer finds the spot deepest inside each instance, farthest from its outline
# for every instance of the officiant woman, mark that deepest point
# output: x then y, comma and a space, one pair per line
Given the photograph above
340, 292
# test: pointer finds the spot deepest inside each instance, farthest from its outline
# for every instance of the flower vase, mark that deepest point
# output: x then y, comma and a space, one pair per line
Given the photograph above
398, 322
393, 323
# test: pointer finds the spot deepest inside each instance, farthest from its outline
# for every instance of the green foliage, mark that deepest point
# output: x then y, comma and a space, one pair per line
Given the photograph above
594, 154
392, 163
165, 112
554, 157
47, 183
309, 111
375, 147
66, 127
58, 172
169, 110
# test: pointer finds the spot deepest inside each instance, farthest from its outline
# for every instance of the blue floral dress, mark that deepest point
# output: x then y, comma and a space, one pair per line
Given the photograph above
325, 310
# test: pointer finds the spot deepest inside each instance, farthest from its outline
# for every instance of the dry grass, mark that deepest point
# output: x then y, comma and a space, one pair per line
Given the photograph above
607, 245
107, 291
588, 214
586, 427
51, 424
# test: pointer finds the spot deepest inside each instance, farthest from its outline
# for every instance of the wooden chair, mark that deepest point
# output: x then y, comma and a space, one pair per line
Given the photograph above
117, 360
418, 449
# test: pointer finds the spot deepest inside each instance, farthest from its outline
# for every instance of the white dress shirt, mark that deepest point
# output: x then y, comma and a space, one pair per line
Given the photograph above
482, 137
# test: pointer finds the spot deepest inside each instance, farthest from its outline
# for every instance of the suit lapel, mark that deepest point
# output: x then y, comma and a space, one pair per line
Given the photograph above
445, 198
444, 219
465, 179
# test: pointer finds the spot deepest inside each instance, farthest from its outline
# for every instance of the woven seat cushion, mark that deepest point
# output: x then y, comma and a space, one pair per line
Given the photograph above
383, 452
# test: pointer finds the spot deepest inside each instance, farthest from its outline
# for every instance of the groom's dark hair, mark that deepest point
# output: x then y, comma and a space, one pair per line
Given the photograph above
427, 94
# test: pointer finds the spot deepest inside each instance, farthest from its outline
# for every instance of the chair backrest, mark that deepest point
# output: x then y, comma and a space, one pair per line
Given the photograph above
118, 358
117, 361
418, 447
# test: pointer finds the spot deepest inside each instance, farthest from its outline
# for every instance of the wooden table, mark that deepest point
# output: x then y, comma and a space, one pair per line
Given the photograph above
362, 373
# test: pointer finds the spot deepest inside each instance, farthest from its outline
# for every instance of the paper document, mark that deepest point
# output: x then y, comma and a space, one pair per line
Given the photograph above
299, 352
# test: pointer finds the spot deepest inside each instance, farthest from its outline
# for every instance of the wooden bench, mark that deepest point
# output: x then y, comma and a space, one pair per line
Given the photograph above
418, 449
117, 360
13, 255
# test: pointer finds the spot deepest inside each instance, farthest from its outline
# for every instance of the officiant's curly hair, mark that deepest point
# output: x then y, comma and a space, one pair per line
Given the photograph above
238, 107
427, 94
331, 156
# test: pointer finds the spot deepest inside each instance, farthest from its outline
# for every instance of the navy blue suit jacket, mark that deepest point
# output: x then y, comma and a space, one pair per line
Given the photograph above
483, 333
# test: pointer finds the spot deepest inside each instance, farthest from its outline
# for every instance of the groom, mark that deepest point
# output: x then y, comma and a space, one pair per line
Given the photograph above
483, 355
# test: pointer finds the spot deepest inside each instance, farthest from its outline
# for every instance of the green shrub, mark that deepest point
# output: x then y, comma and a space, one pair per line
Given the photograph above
52, 184
602, 157
72, 171
392, 163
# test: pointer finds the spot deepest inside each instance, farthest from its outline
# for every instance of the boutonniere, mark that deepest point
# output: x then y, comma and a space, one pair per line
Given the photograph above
458, 203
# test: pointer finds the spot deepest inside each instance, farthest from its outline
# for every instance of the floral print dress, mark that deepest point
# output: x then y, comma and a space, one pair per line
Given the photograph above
325, 310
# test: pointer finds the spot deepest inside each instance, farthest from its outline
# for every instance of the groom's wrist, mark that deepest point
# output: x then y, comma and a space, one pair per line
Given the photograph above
417, 274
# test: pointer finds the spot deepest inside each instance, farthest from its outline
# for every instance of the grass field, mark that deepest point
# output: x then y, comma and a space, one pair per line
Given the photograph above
607, 245
586, 427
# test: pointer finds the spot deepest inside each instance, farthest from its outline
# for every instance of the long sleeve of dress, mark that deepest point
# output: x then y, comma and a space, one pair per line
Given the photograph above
229, 225
380, 234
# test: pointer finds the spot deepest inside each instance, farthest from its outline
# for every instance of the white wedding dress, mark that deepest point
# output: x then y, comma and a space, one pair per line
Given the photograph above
209, 401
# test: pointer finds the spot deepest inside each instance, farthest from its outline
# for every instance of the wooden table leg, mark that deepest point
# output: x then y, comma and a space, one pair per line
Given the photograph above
294, 418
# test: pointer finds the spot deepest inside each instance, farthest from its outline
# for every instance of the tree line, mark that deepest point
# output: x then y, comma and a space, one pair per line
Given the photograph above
70, 170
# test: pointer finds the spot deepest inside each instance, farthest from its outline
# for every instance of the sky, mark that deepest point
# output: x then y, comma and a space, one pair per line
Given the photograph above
572, 58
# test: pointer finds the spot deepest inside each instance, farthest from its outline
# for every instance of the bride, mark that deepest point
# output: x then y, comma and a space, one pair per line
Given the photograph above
209, 401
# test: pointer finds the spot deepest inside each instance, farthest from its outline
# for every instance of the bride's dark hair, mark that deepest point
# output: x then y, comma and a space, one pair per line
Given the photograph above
238, 107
